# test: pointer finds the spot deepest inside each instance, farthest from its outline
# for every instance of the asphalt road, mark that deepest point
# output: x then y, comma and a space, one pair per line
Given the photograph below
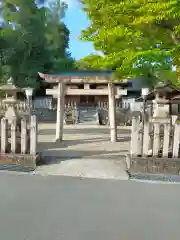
65, 208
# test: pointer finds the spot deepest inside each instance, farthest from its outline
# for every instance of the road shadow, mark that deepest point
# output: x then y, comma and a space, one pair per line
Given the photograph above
67, 143
50, 157
83, 131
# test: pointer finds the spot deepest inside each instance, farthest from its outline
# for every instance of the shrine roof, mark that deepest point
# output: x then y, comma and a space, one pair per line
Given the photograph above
82, 76
168, 90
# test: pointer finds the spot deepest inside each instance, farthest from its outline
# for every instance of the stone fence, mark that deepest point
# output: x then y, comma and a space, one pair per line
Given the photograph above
45, 110
18, 145
123, 114
21, 107
154, 148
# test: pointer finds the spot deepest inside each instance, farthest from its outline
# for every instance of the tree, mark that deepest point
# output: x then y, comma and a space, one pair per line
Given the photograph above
90, 62
57, 35
137, 37
32, 39
23, 31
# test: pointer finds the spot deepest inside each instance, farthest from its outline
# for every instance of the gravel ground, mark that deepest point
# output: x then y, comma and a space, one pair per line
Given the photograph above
85, 152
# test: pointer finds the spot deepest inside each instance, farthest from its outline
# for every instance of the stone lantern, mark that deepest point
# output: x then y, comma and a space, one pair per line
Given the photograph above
10, 100
144, 92
29, 93
161, 106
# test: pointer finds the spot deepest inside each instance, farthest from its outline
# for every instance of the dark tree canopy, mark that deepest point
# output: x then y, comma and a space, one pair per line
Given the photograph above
33, 39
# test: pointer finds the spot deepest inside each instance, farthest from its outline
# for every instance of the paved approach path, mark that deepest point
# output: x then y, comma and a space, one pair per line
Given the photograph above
65, 208
86, 151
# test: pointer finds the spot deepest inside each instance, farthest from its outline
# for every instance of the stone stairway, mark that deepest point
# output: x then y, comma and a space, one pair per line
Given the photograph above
88, 114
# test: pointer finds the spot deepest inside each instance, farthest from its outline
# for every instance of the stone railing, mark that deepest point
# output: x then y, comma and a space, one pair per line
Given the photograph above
18, 145
43, 103
122, 114
21, 107
154, 148
71, 113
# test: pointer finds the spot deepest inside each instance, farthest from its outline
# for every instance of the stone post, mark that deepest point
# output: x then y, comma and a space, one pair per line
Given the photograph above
76, 113
29, 93
134, 136
4, 134
33, 135
176, 140
112, 112
13, 136
23, 135
60, 112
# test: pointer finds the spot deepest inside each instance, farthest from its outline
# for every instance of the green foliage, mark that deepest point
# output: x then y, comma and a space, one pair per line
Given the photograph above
32, 39
90, 62
137, 37
24, 33
57, 35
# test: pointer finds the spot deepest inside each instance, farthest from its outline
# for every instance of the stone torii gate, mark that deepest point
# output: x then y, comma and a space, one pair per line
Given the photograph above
63, 90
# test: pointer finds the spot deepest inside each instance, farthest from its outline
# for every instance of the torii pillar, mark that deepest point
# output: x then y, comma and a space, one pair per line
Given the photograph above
60, 105
60, 112
112, 112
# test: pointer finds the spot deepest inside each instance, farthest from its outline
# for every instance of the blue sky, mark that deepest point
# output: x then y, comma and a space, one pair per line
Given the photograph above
76, 20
